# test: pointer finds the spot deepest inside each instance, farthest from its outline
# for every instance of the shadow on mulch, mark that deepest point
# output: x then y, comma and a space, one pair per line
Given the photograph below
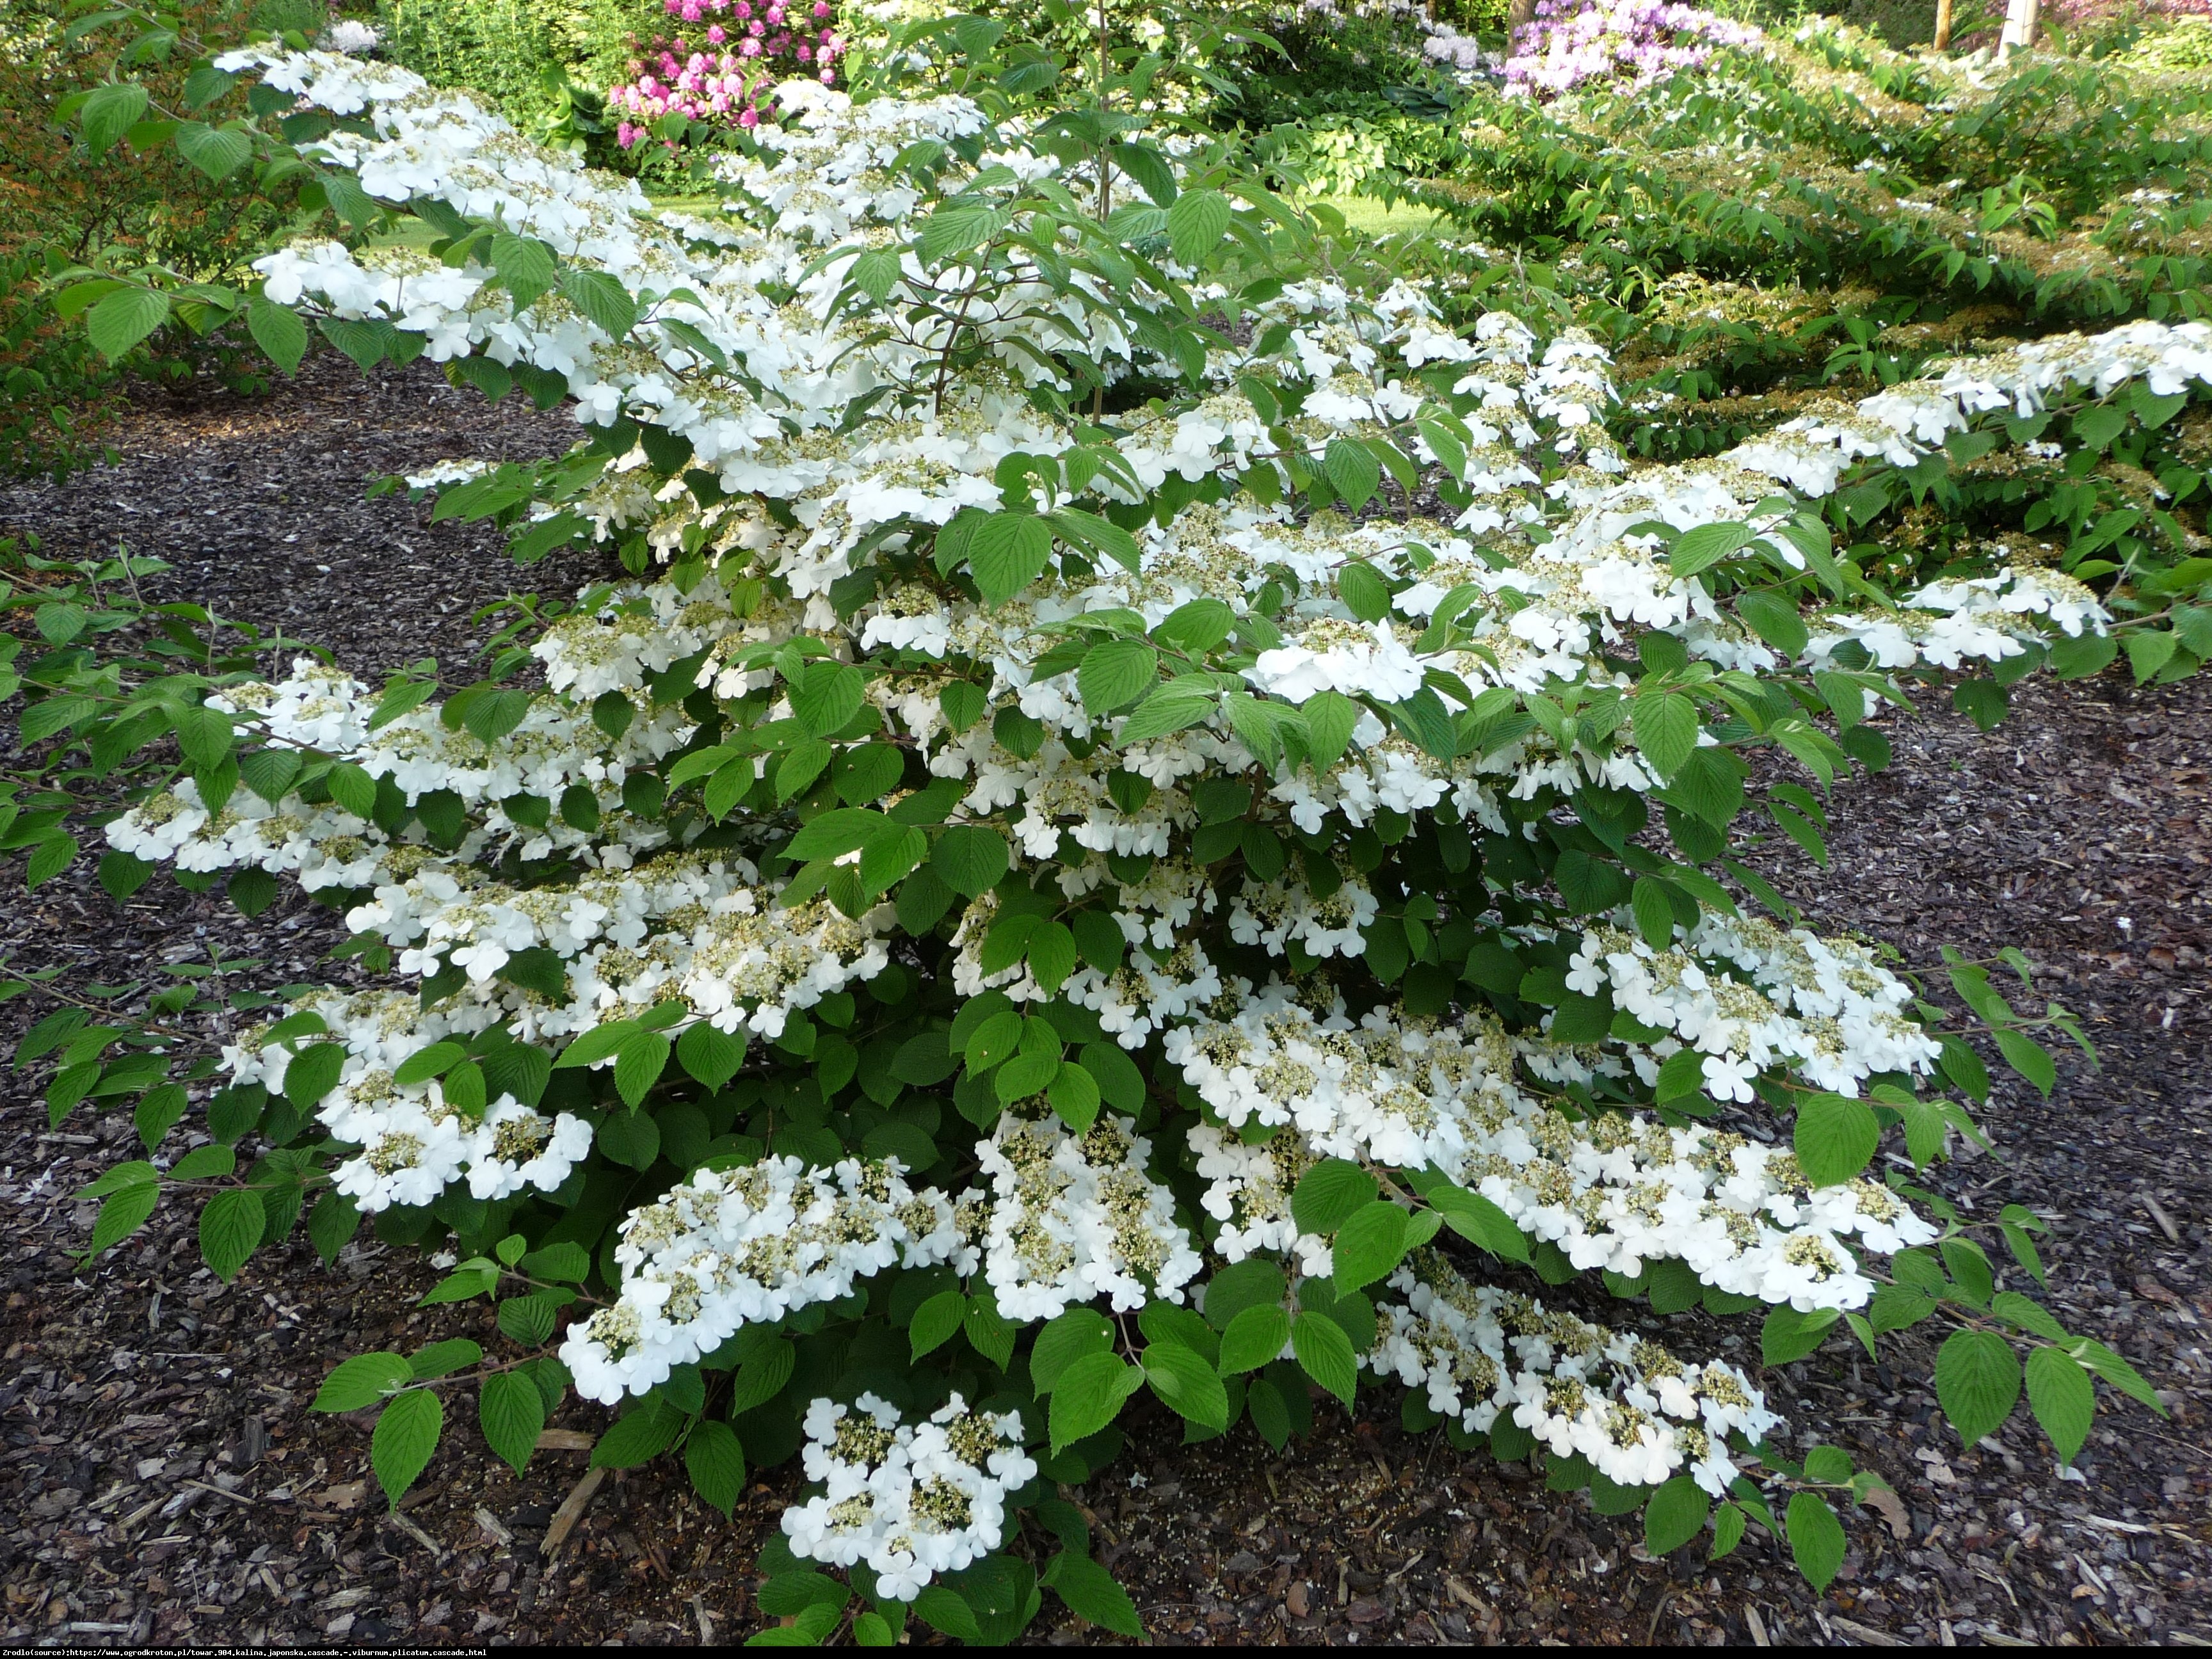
162, 1481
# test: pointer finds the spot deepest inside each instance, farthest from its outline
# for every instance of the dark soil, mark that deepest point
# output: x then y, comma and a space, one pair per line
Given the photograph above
161, 1480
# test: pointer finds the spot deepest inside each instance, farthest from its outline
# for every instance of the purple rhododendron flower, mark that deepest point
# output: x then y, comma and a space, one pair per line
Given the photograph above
1570, 42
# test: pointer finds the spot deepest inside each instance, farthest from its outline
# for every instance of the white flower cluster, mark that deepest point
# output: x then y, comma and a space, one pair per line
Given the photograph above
1073, 1218
730, 1248
911, 1500
1822, 1007
1616, 1192
1636, 1413
812, 550
415, 1139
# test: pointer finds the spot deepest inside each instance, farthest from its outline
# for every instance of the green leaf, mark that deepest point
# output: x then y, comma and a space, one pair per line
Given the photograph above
1089, 1589
2062, 1398
405, 1438
1253, 1337
716, 1463
512, 1413
278, 331
562, 1263
1675, 1515
1073, 1095
216, 152
825, 696
230, 1227
1114, 672
971, 858
992, 1040
600, 298
1835, 1137
1353, 470
124, 319
121, 1214
638, 1065
1078, 1334
1329, 1194
1191, 1388
1728, 1525
1788, 1335
1088, 1396
637, 1439
1977, 1381
942, 1610
1774, 619
1326, 1354
872, 1630
2029, 1058
1475, 1218
1666, 728
51, 856
789, 1594
108, 113
937, 1321
1705, 545
876, 272
1369, 1244
1007, 552
1816, 1539
442, 1358
1197, 221
711, 1056
313, 1073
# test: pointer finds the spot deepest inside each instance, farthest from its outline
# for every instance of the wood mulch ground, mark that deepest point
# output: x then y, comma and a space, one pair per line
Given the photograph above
162, 1481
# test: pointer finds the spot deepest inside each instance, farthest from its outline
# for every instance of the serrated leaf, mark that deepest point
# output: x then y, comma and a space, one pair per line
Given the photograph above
1816, 1539
124, 319
1675, 1514
1705, 545
709, 1055
511, 1411
1115, 672
405, 1440
1088, 1395
1090, 1591
971, 858
1834, 1138
2062, 1398
600, 298
278, 331
639, 1063
1197, 220
1325, 1354
1255, 1337
1666, 728
110, 111
1007, 552
216, 152
230, 1227
1329, 1194
1369, 1244
716, 1463
1190, 1387
1977, 1380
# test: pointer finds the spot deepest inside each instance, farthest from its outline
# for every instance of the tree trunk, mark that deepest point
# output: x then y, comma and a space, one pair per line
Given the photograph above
1942, 25
2019, 29
1518, 17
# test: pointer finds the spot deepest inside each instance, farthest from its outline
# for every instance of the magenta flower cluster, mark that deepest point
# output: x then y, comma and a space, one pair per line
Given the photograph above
1570, 42
724, 73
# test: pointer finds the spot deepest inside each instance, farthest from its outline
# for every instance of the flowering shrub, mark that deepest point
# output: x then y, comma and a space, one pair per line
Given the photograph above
1570, 42
722, 75
1064, 874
